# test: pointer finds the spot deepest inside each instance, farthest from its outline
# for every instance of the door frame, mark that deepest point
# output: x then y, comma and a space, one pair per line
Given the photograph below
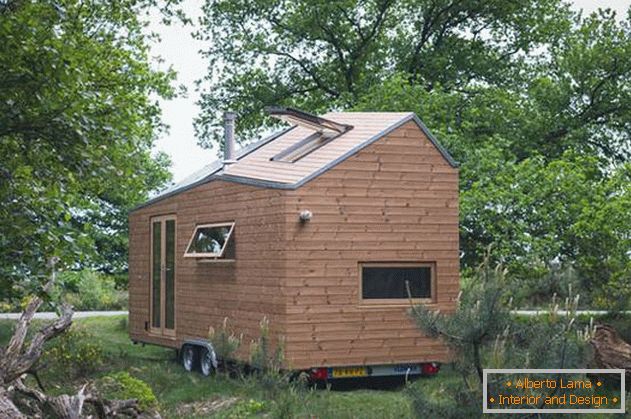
162, 330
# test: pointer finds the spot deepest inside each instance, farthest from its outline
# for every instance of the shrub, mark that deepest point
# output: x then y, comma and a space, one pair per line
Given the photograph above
225, 343
262, 357
75, 353
123, 324
483, 334
246, 409
88, 290
122, 386
267, 363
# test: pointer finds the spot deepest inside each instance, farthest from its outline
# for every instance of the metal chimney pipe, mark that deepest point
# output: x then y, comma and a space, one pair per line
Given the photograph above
229, 145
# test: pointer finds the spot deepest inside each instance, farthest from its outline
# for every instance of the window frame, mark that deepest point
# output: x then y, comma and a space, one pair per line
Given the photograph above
161, 331
209, 255
392, 302
311, 143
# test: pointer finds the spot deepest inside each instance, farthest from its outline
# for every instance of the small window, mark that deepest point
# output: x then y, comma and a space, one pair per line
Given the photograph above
210, 241
389, 283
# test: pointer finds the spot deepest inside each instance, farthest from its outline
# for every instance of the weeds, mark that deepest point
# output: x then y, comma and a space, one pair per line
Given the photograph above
226, 343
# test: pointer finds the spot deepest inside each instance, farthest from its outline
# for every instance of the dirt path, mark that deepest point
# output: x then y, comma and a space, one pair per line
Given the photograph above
52, 315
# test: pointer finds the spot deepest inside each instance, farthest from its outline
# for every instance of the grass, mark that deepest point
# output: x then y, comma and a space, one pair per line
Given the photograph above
190, 395
182, 394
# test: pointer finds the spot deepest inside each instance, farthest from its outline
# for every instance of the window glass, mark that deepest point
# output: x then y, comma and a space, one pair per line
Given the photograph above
169, 292
392, 282
209, 240
155, 273
304, 147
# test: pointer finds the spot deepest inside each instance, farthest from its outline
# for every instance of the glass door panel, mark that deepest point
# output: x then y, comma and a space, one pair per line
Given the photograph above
169, 276
156, 274
162, 295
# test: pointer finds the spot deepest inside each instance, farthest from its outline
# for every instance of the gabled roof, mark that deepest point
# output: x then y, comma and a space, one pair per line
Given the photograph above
255, 164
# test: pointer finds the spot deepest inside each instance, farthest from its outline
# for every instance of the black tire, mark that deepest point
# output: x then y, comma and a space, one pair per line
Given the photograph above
206, 362
189, 357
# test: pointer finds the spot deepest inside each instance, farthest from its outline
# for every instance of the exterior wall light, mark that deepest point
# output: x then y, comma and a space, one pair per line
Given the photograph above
305, 215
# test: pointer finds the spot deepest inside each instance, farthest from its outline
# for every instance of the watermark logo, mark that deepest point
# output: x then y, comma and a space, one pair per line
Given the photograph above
554, 391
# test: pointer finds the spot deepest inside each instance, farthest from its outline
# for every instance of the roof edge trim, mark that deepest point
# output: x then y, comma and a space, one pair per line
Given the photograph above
252, 147
279, 185
289, 186
411, 117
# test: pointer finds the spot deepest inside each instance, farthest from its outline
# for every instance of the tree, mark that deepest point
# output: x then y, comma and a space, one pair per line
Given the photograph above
565, 212
482, 333
534, 101
78, 117
319, 55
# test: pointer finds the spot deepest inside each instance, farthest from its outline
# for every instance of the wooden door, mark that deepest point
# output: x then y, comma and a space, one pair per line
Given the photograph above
162, 295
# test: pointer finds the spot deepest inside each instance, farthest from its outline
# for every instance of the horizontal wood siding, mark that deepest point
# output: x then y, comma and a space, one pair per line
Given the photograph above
396, 200
245, 290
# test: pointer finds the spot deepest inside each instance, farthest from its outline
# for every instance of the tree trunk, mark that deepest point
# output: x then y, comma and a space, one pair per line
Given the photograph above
7, 408
19, 357
610, 350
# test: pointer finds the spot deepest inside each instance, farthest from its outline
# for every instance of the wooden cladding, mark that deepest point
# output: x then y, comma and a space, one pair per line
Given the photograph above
394, 203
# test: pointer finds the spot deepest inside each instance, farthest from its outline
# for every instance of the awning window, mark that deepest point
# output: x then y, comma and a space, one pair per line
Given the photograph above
210, 240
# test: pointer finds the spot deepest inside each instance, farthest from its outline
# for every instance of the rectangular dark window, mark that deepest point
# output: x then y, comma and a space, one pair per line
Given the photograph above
391, 282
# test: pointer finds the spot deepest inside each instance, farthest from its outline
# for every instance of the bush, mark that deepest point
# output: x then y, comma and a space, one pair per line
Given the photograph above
262, 357
123, 386
75, 353
88, 290
225, 343
483, 334
246, 409
267, 363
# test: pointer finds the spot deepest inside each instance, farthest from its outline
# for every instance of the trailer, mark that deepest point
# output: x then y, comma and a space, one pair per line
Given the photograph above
331, 229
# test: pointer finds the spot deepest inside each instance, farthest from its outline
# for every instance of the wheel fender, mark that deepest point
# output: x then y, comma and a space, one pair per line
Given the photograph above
201, 343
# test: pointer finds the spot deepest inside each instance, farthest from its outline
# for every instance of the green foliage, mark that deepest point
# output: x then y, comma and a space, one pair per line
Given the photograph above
263, 357
267, 362
541, 216
531, 98
88, 290
225, 343
122, 386
483, 334
78, 117
246, 409
123, 324
76, 353
185, 395
320, 55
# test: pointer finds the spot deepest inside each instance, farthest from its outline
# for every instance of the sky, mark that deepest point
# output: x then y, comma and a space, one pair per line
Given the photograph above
178, 49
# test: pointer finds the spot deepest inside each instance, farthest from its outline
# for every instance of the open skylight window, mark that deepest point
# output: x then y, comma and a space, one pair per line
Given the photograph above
325, 131
210, 241
304, 147
307, 120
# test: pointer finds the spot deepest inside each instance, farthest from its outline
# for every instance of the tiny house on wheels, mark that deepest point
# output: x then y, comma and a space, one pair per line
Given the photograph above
331, 229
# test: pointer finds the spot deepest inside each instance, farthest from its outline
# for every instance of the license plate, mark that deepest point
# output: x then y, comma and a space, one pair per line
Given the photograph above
349, 372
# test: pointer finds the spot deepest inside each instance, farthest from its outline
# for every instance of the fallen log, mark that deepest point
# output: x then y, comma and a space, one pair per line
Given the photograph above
610, 350
18, 359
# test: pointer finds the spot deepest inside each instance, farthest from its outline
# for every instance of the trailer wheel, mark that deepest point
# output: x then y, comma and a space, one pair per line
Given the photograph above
189, 357
206, 362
